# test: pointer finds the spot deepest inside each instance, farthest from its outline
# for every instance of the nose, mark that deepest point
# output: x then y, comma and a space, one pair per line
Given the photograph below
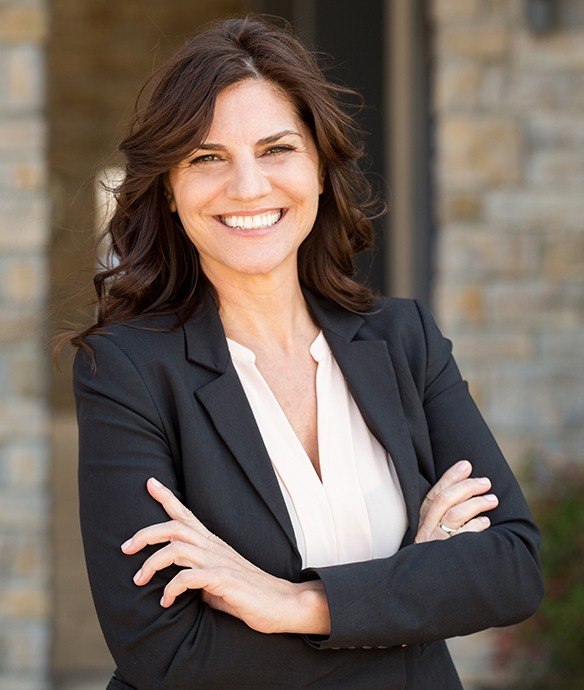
247, 180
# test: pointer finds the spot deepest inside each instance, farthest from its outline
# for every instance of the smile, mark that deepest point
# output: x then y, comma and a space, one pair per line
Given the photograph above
262, 220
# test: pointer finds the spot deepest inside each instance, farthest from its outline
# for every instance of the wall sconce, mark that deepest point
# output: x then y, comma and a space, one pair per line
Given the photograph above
541, 15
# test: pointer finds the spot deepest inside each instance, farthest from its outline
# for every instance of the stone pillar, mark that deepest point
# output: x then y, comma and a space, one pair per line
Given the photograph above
24, 443
509, 112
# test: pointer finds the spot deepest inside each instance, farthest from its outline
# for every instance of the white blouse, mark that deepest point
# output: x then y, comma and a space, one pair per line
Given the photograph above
357, 512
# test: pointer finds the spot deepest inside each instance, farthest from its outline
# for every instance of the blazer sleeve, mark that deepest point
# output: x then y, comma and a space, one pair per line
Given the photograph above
122, 442
461, 585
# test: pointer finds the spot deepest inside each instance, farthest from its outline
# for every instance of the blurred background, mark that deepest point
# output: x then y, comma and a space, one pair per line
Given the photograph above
475, 122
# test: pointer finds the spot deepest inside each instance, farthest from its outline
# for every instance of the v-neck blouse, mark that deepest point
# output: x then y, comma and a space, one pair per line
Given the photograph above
357, 512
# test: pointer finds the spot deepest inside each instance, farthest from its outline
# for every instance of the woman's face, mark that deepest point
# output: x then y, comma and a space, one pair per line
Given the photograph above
248, 196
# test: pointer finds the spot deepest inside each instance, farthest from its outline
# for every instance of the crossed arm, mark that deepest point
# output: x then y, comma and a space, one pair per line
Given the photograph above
268, 604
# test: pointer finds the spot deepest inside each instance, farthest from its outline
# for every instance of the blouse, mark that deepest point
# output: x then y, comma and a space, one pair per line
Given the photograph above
357, 511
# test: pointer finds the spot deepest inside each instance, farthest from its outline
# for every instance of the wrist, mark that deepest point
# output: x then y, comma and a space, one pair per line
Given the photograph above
311, 608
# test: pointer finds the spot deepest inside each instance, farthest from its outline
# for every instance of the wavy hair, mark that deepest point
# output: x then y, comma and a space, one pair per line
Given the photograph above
153, 267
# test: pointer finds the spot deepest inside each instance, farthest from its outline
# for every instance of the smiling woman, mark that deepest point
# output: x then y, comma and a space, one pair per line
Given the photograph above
283, 479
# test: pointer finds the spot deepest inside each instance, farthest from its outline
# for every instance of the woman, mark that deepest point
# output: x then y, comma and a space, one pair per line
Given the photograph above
284, 456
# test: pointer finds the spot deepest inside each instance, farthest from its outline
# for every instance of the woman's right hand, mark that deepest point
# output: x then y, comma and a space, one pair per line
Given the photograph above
453, 505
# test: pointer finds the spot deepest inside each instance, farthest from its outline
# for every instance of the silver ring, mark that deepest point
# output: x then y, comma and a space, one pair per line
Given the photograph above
448, 530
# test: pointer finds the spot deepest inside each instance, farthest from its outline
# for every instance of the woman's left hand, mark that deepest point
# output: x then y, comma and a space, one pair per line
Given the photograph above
228, 582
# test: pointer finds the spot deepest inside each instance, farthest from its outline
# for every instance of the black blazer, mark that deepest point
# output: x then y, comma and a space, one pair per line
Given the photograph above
170, 405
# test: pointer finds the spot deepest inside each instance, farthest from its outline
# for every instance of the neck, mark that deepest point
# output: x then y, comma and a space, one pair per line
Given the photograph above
264, 309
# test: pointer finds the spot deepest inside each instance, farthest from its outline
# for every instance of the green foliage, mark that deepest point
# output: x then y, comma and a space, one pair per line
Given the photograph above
551, 644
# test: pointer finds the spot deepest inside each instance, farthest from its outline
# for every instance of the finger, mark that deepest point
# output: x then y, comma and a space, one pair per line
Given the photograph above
174, 508
177, 553
479, 524
191, 578
461, 470
461, 513
453, 495
173, 530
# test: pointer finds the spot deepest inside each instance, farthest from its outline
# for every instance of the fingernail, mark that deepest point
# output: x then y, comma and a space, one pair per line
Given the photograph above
126, 544
485, 520
491, 498
162, 601
462, 466
137, 576
155, 483
483, 480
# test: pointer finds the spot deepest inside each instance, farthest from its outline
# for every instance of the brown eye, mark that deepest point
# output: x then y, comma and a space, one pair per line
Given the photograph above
207, 158
282, 148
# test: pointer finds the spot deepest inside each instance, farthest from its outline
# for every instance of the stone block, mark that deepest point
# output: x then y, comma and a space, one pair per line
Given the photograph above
23, 420
22, 373
553, 168
28, 375
444, 11
531, 304
533, 92
460, 206
535, 209
484, 254
460, 305
22, 512
565, 346
22, 134
564, 257
536, 398
558, 51
457, 86
481, 43
9, 681
19, 328
25, 464
21, 79
19, 601
464, 12
486, 345
473, 153
25, 646
545, 129
22, 23
23, 173
24, 223
23, 279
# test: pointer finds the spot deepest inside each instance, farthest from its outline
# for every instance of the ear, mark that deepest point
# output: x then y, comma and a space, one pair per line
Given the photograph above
168, 193
321, 177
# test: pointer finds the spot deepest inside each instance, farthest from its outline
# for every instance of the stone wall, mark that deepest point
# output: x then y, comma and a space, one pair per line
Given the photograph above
509, 169
24, 507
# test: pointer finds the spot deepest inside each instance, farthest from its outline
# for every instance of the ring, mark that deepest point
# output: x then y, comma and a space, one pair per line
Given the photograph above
448, 530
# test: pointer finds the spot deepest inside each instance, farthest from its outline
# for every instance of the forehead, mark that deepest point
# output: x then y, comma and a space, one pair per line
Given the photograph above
252, 109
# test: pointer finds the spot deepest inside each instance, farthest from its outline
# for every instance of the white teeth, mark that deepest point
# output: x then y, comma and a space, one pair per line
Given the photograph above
263, 220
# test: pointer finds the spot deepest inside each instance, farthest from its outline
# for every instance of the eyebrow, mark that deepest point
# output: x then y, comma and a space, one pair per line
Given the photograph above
209, 146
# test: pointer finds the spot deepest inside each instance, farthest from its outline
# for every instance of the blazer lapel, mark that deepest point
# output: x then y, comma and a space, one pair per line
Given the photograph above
226, 403
370, 376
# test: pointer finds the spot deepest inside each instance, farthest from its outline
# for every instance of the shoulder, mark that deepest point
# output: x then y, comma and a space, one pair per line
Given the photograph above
140, 337
131, 344
400, 318
410, 331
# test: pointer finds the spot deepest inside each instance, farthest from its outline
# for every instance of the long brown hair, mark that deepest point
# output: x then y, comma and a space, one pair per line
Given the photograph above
153, 266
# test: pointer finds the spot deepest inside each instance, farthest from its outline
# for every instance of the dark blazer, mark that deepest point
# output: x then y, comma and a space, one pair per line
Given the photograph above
169, 404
